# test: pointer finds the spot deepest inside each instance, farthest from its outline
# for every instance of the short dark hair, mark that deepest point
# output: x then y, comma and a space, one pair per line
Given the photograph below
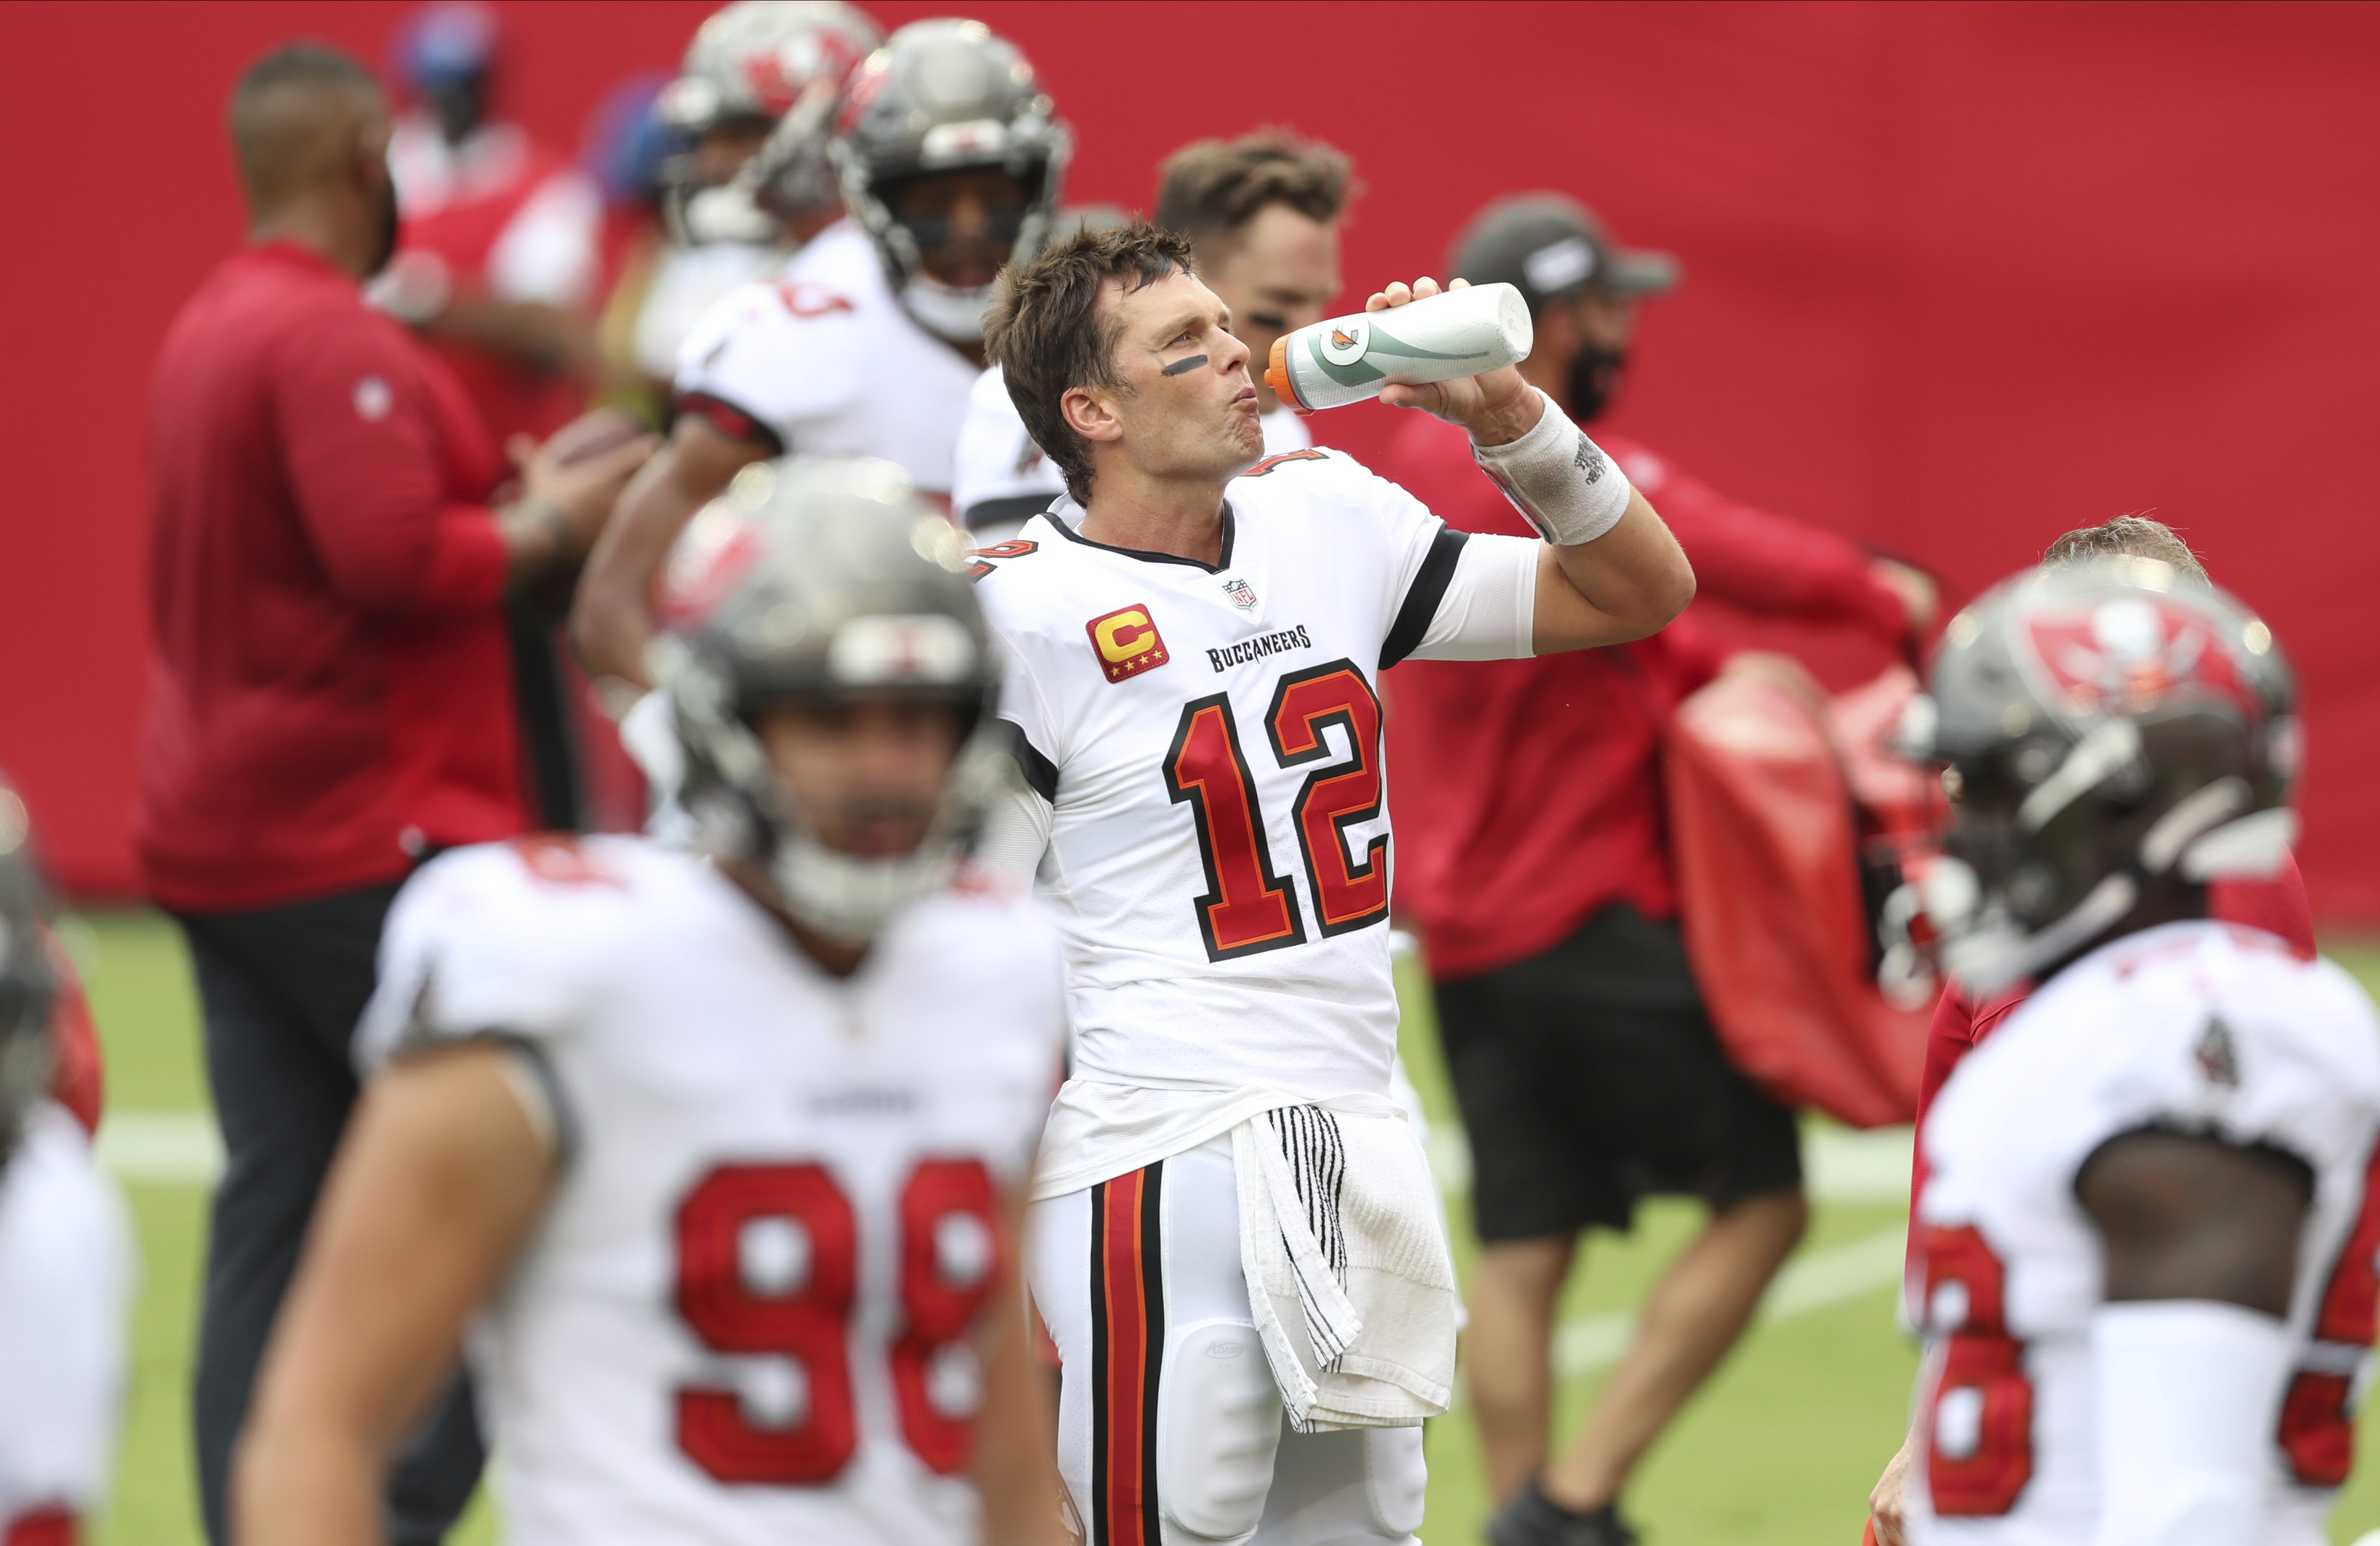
2129, 536
1045, 333
273, 134
1208, 190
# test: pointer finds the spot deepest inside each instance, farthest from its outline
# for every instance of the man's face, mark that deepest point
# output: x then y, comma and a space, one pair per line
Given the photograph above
1603, 320
965, 223
1276, 273
722, 149
868, 774
1177, 418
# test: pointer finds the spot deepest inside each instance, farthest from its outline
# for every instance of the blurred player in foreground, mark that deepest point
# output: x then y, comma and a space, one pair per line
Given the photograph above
67, 1265
1195, 635
728, 1144
1262, 216
2148, 1225
2276, 904
869, 342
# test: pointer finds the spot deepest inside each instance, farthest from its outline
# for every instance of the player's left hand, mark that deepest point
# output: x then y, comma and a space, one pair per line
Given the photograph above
1886, 1516
1497, 406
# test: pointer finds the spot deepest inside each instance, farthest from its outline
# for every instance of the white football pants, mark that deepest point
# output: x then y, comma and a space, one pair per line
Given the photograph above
1170, 1429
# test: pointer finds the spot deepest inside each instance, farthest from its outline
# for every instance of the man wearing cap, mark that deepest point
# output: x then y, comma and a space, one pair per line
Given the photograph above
1536, 865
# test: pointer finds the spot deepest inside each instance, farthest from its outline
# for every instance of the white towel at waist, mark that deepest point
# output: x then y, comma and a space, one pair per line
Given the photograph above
1344, 1252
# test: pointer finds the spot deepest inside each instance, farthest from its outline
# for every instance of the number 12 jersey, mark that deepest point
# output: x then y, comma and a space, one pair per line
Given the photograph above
1208, 739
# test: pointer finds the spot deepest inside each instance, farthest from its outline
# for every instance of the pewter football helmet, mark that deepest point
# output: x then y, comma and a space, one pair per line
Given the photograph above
822, 578
2113, 727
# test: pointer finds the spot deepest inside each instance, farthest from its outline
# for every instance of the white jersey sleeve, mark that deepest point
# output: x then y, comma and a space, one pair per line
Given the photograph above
1460, 596
67, 1267
777, 353
503, 939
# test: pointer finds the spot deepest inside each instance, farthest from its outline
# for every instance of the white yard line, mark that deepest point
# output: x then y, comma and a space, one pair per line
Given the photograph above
167, 1148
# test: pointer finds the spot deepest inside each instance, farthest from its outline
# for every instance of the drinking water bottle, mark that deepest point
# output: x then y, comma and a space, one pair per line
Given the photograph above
1349, 360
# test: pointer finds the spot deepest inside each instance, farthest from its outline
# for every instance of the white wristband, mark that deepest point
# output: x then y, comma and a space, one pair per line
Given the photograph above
1561, 482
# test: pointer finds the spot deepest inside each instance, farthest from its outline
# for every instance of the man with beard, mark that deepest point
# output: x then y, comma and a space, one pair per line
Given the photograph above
331, 696
1537, 869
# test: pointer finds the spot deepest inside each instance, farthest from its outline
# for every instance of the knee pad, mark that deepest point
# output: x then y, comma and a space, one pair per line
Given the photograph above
1219, 1425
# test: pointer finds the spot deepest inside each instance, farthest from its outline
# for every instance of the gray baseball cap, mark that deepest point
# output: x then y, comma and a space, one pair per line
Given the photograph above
1550, 246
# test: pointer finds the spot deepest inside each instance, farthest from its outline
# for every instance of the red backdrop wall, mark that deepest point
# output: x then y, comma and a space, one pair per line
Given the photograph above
1959, 278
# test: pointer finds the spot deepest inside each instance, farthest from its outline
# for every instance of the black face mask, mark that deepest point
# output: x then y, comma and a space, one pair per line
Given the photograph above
386, 248
1595, 380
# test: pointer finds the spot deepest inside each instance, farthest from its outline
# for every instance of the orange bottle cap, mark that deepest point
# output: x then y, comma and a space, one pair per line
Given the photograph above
1277, 377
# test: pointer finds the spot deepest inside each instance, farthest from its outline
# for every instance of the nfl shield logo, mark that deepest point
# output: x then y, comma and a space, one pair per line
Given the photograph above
1242, 596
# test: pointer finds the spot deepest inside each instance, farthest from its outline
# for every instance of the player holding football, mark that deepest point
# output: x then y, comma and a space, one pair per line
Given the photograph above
2148, 1227
1196, 637
724, 1147
869, 342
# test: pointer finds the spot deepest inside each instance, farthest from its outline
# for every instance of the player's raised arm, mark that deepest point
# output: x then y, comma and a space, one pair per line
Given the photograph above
442, 1172
1610, 571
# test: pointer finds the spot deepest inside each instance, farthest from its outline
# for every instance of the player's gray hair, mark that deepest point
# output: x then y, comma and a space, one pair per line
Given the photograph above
1045, 333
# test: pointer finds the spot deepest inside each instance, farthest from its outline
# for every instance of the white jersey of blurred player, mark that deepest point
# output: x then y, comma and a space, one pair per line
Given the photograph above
825, 359
2197, 1027
742, 1316
67, 1271
687, 282
1001, 476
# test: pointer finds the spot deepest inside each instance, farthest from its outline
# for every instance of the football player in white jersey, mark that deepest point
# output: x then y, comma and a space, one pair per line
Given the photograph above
1262, 215
2147, 1234
722, 1147
66, 1251
754, 100
869, 342
1194, 635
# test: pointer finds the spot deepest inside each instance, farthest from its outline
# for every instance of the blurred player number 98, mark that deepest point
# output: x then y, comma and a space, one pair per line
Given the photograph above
794, 1228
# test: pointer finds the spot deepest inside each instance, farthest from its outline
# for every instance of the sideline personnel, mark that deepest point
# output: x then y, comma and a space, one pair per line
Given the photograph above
1538, 868
330, 694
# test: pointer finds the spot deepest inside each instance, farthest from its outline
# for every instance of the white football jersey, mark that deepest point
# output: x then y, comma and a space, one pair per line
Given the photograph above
1000, 475
826, 359
742, 1316
2202, 1027
66, 1278
1209, 740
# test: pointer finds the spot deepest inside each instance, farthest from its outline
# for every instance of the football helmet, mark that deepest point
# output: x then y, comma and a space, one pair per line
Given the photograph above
2108, 728
27, 976
945, 96
779, 62
822, 578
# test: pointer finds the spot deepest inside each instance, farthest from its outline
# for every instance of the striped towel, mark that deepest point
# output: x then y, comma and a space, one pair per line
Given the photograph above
1345, 1252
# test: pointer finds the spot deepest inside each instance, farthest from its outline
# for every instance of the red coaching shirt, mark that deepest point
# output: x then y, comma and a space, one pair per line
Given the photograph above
331, 686
1528, 792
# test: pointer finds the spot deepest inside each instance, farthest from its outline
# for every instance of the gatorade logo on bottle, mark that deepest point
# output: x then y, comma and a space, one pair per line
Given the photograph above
1346, 341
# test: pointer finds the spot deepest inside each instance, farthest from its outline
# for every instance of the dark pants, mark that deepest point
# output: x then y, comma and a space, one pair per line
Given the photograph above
282, 989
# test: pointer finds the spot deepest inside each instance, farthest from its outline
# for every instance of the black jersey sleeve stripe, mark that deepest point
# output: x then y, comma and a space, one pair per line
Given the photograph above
729, 420
1421, 602
1040, 773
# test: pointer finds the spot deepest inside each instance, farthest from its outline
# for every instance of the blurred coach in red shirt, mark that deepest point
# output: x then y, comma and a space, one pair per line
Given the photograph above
331, 692
1533, 857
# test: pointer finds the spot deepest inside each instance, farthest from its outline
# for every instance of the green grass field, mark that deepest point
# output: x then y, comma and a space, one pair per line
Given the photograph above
1780, 1450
